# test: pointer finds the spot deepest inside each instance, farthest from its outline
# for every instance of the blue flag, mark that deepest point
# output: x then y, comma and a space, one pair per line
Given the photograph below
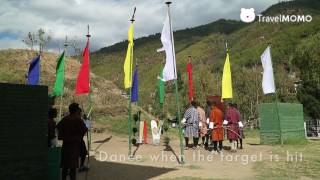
34, 71
134, 90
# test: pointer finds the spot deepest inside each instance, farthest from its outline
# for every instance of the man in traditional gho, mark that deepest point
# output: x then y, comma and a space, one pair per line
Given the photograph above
71, 130
241, 133
191, 125
233, 118
208, 114
83, 148
202, 124
216, 120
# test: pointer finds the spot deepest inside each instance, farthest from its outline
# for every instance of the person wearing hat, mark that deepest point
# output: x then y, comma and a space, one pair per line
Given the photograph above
71, 130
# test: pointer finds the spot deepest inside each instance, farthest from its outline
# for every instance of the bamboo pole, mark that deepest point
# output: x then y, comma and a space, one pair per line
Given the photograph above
182, 161
277, 111
90, 104
61, 96
129, 99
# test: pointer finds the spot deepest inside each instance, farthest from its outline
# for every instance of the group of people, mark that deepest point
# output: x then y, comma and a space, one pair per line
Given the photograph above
71, 130
210, 124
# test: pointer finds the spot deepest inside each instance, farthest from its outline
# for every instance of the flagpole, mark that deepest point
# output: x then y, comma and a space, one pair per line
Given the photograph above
40, 56
277, 110
90, 93
61, 96
129, 99
176, 88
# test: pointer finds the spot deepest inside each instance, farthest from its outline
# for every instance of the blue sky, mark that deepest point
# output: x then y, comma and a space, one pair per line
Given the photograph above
109, 19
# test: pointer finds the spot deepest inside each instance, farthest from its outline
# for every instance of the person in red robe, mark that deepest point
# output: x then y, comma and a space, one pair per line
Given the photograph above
216, 118
71, 130
241, 133
233, 118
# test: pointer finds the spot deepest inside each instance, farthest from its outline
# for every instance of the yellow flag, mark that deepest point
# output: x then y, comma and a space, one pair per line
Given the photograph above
226, 80
127, 67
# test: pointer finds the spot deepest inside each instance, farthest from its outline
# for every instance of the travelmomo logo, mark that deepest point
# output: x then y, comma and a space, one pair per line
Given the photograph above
248, 16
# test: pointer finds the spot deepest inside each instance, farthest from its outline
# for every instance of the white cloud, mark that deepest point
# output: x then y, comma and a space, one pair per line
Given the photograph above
11, 44
109, 19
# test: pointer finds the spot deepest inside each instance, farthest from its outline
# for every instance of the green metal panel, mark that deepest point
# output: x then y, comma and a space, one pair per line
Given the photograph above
54, 155
292, 122
269, 124
288, 116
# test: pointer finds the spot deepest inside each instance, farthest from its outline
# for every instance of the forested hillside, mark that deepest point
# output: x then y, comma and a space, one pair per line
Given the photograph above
295, 54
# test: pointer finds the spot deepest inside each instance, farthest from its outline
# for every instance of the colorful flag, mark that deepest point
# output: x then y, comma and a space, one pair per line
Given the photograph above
59, 83
34, 71
161, 88
169, 71
189, 69
135, 89
83, 79
268, 79
127, 67
226, 80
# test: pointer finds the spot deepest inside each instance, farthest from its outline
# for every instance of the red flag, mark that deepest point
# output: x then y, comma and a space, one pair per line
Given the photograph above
83, 80
145, 132
189, 69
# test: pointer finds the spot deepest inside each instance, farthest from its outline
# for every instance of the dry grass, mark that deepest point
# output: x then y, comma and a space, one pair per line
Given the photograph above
107, 99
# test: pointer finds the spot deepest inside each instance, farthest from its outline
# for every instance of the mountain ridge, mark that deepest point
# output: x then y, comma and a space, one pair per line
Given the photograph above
246, 44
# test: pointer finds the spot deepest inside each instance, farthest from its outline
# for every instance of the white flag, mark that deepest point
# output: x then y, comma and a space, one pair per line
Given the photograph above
169, 70
268, 79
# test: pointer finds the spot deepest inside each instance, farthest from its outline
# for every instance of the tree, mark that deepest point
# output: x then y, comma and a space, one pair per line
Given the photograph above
30, 40
44, 39
75, 46
307, 61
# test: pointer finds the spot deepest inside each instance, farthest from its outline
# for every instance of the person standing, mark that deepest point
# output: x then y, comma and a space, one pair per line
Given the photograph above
52, 127
71, 130
191, 125
216, 120
202, 124
83, 148
241, 133
233, 118
208, 114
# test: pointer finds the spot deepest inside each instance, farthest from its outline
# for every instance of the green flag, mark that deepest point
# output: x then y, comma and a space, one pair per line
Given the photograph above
161, 88
58, 85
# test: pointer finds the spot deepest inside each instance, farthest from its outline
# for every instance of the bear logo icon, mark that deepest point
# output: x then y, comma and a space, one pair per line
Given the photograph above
247, 15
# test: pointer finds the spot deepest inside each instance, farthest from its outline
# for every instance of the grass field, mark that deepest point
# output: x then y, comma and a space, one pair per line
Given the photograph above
305, 162
295, 160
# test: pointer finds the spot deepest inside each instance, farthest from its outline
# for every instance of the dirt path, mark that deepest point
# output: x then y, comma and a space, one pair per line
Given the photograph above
109, 160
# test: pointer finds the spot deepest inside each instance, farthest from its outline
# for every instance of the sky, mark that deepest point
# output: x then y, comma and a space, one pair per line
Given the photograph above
108, 19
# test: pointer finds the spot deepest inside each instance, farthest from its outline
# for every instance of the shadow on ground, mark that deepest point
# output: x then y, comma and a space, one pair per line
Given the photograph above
169, 148
101, 142
102, 170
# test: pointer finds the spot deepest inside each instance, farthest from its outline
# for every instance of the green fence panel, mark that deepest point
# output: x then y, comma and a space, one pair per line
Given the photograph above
284, 118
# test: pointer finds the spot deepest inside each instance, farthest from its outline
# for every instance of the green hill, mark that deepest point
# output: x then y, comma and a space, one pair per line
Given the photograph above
109, 105
294, 51
14, 65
